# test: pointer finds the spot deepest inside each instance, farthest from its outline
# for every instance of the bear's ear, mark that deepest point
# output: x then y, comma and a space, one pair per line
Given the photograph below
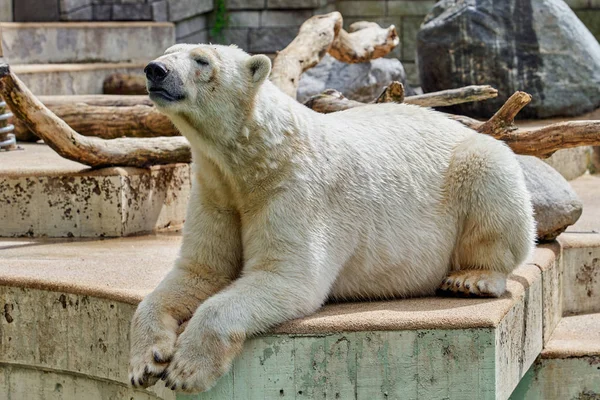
259, 67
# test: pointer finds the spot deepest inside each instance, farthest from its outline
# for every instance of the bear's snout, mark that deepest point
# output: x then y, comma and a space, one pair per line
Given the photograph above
156, 71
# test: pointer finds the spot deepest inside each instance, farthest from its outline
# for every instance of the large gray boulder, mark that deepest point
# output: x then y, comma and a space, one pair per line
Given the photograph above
360, 82
555, 203
539, 46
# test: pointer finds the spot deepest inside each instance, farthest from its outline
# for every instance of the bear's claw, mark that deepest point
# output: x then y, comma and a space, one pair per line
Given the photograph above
476, 283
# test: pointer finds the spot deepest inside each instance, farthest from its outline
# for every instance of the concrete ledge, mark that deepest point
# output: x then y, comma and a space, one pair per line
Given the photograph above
70, 200
73, 42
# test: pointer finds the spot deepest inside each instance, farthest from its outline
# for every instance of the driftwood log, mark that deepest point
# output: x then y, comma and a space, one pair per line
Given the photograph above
364, 41
331, 100
323, 33
91, 151
106, 122
393, 93
58, 104
124, 84
541, 142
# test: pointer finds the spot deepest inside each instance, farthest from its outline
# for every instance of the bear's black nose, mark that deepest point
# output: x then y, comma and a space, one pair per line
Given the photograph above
156, 71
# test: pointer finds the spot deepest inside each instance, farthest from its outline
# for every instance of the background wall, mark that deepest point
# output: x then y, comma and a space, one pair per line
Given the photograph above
258, 26
6, 11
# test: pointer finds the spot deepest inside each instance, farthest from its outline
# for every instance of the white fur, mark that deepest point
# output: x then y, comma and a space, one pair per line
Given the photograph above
291, 207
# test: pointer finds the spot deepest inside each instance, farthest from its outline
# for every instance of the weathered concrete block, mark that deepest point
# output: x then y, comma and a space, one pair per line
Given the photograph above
6, 11
519, 336
242, 19
410, 27
362, 8
195, 38
131, 12
287, 18
270, 40
66, 343
581, 273
52, 43
81, 14
190, 26
548, 259
75, 202
568, 366
412, 73
182, 9
238, 36
409, 7
246, 4
560, 378
36, 10
160, 11
67, 6
102, 12
577, 4
295, 3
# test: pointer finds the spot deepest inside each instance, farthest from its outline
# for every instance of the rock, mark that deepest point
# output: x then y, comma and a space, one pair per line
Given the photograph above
360, 82
555, 203
539, 46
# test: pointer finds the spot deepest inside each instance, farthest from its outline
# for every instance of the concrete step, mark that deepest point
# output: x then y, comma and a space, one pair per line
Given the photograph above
581, 252
70, 302
45, 195
71, 79
85, 42
569, 365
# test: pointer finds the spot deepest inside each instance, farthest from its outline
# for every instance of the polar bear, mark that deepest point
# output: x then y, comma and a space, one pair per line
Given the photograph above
290, 208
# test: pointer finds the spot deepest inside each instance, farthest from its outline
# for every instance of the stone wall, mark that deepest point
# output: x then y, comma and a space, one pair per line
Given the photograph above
266, 26
258, 26
6, 12
588, 12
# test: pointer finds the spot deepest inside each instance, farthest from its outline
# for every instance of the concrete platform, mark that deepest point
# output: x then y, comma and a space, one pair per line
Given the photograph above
71, 79
67, 307
85, 42
42, 194
418, 348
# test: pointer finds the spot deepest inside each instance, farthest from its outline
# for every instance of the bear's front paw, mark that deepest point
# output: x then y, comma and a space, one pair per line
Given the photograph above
152, 347
200, 359
480, 283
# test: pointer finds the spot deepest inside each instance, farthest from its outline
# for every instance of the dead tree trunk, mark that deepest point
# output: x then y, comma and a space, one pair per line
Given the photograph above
323, 33
106, 122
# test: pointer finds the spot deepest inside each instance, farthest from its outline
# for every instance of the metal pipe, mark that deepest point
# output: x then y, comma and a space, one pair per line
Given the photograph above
8, 140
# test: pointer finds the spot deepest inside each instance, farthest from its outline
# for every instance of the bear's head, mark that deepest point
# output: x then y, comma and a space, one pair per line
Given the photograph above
205, 80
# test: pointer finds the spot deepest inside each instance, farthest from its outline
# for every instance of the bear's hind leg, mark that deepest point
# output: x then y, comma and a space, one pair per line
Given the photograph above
495, 214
